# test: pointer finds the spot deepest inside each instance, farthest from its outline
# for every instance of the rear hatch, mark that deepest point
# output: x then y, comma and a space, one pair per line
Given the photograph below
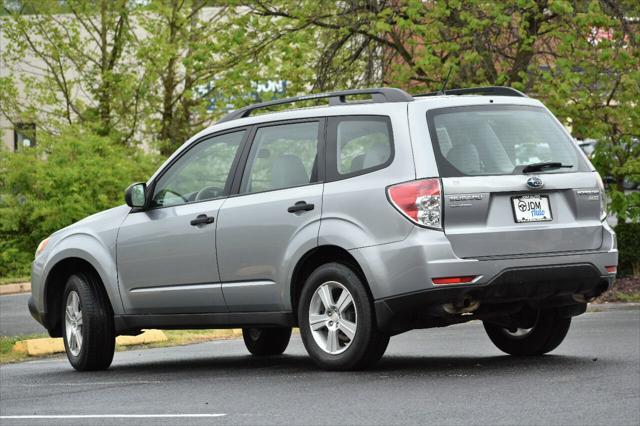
514, 183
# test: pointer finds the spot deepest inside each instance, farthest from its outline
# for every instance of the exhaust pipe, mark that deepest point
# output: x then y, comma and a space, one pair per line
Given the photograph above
581, 298
467, 305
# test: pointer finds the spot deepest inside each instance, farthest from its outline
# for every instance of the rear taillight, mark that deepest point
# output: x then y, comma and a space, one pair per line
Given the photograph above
603, 198
419, 200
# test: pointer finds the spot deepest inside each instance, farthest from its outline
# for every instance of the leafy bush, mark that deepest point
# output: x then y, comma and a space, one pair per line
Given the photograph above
64, 179
629, 248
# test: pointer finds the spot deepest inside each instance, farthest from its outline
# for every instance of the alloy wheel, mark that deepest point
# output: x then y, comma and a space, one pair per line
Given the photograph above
333, 317
73, 323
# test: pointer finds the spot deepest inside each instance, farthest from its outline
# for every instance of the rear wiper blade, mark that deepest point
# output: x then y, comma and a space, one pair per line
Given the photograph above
538, 167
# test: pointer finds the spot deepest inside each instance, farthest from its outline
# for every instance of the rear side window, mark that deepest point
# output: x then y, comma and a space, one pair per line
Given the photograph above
282, 156
359, 144
499, 140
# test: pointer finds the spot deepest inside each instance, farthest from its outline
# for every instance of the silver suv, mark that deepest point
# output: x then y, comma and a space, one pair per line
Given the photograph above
353, 221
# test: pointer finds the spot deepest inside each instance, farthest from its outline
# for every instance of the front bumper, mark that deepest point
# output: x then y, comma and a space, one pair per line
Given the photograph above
38, 316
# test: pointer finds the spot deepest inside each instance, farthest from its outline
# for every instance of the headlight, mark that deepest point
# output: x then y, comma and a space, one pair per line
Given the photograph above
42, 246
603, 198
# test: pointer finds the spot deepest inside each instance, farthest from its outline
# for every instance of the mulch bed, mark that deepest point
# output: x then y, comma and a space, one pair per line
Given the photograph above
629, 286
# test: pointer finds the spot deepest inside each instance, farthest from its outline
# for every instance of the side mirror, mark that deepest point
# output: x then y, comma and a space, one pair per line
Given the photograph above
134, 196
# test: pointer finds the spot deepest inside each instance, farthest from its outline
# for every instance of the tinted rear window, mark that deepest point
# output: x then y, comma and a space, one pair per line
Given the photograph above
498, 140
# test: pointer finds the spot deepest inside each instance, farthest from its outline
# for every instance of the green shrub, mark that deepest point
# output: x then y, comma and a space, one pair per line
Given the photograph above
629, 248
64, 179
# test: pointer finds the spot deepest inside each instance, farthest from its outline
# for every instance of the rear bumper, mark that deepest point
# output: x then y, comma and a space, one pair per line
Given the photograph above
542, 286
410, 265
400, 275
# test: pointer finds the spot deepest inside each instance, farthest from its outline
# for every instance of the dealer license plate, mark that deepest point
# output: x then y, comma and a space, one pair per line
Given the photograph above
531, 208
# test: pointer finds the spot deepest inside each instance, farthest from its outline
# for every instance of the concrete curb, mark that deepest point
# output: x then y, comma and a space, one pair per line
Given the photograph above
15, 288
604, 307
48, 346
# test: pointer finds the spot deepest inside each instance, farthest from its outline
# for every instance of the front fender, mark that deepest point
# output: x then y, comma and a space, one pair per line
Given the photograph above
89, 248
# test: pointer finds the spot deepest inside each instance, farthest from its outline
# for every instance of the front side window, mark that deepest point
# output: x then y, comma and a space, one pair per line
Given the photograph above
200, 174
499, 140
282, 156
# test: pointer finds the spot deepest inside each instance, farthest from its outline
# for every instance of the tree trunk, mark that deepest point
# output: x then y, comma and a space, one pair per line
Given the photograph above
104, 101
169, 83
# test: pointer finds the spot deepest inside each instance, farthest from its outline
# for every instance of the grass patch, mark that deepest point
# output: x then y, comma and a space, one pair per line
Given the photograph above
625, 289
6, 344
175, 338
628, 298
13, 280
187, 337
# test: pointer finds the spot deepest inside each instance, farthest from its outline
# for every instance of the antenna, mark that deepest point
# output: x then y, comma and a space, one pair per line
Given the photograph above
446, 80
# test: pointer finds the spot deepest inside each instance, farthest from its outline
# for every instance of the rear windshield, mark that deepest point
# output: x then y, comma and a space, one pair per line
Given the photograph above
499, 140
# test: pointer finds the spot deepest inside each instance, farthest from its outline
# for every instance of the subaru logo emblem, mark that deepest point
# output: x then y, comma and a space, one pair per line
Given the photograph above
535, 182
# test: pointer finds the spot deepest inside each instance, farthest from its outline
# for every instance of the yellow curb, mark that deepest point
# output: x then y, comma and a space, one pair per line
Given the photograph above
47, 346
227, 333
34, 347
15, 288
149, 336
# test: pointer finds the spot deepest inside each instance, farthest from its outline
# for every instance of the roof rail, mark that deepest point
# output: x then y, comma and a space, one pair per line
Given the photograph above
488, 90
381, 94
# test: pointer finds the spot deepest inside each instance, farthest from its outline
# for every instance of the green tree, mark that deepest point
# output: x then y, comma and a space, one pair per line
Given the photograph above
154, 72
593, 85
80, 71
580, 57
64, 179
414, 42
200, 60
176, 53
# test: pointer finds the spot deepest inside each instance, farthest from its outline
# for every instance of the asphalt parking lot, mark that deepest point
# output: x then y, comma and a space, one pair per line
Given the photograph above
15, 319
440, 376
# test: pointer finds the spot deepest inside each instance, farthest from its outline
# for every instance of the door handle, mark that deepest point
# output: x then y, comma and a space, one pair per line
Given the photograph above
300, 206
202, 219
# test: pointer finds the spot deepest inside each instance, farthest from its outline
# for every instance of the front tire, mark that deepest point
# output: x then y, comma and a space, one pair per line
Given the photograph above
546, 334
337, 320
87, 324
266, 341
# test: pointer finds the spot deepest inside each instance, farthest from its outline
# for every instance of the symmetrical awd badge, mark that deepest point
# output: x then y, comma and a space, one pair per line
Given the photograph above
534, 182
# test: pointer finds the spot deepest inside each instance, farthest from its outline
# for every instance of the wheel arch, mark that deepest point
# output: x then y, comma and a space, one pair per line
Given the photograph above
55, 283
313, 259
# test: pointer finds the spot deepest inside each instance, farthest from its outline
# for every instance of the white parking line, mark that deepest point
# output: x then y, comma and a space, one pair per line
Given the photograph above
110, 416
137, 382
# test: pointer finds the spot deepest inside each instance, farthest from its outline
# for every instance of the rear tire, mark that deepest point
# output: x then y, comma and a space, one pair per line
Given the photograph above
343, 335
87, 323
548, 331
266, 341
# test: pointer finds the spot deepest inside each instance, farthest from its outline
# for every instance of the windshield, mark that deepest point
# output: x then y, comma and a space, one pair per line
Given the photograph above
499, 140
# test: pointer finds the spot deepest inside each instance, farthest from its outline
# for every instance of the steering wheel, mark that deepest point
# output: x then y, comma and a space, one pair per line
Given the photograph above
209, 192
